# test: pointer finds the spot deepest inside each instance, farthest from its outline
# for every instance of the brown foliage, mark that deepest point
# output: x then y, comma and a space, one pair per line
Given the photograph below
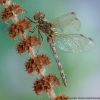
28, 43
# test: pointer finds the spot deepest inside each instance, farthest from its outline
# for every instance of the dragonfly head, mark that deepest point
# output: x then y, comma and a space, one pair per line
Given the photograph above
39, 16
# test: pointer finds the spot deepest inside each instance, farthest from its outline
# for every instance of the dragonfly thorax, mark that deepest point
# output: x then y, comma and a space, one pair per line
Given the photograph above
45, 27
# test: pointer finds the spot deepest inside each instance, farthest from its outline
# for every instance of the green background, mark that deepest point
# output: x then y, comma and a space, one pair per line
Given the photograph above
82, 69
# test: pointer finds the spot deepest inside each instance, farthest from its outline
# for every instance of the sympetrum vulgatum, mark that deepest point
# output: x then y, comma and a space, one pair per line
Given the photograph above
67, 38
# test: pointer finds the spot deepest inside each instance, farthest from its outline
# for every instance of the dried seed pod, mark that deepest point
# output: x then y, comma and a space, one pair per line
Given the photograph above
21, 47
61, 98
25, 23
19, 27
25, 44
37, 63
30, 66
41, 60
45, 83
8, 12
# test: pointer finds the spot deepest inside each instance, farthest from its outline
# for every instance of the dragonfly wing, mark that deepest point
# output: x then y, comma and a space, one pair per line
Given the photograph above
67, 22
73, 42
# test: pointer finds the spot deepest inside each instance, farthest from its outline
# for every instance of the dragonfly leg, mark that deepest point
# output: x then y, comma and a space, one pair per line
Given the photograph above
33, 30
39, 34
31, 20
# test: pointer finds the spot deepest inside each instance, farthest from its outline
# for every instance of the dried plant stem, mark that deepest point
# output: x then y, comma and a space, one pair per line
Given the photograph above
15, 18
42, 73
51, 94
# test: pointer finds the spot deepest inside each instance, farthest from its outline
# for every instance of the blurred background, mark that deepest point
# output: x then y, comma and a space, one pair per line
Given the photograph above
82, 69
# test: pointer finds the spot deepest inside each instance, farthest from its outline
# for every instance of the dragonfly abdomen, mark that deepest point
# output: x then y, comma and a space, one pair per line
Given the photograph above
63, 75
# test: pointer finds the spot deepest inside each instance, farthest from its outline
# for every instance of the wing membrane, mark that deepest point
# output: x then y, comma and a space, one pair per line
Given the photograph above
67, 22
73, 42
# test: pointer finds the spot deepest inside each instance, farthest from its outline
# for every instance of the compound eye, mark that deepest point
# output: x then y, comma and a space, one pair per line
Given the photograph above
39, 16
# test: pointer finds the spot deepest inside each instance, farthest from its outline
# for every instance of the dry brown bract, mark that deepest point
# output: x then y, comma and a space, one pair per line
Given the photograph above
37, 63
61, 98
19, 27
8, 12
2, 1
45, 83
28, 43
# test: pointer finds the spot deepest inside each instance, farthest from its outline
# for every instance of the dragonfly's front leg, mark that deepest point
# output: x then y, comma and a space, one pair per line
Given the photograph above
33, 30
40, 35
31, 20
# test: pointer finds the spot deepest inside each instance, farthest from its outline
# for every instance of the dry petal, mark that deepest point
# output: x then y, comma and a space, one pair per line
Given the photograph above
33, 40
45, 83
29, 66
8, 12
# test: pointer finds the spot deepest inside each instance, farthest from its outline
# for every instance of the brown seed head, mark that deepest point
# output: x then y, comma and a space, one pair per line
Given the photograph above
45, 83
25, 44
33, 40
8, 12
37, 63
19, 27
21, 47
61, 98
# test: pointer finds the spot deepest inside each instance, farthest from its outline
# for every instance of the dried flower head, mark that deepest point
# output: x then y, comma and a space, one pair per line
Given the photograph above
45, 83
10, 10
33, 41
41, 60
2, 1
19, 27
61, 98
27, 43
37, 63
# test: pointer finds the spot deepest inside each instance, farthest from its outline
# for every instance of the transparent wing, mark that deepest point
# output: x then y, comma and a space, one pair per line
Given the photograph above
67, 22
73, 42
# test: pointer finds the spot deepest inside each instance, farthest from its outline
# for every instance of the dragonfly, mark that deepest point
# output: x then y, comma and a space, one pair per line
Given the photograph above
59, 33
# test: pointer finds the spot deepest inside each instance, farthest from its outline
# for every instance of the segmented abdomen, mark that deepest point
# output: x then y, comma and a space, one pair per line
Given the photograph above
63, 75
